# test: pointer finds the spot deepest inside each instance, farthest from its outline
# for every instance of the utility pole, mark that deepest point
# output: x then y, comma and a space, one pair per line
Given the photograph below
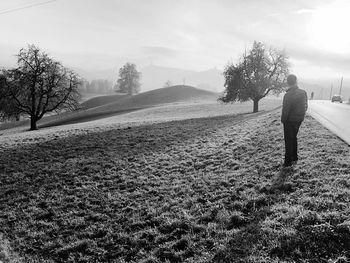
330, 97
321, 95
341, 85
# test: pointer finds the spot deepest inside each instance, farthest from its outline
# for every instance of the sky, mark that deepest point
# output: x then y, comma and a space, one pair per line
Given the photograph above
188, 34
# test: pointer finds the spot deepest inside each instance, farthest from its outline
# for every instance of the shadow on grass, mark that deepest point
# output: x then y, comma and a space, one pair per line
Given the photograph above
305, 237
252, 239
280, 181
138, 135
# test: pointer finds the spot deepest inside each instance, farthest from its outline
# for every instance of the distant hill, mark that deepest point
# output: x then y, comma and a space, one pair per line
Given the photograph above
110, 74
116, 104
154, 77
322, 88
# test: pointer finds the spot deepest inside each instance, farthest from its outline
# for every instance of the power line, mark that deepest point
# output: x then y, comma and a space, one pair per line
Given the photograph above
25, 7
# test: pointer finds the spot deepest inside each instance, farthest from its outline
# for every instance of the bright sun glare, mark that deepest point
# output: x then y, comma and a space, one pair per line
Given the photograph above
328, 29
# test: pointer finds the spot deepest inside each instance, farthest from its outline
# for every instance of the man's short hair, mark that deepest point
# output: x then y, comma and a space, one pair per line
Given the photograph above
291, 80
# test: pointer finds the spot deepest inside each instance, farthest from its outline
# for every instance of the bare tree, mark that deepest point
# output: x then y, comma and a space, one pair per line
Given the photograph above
168, 84
260, 72
39, 85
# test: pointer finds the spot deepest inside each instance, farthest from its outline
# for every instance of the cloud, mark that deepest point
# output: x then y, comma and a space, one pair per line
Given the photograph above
192, 34
320, 58
158, 51
304, 11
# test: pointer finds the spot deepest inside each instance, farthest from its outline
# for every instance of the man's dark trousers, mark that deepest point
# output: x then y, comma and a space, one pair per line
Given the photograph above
291, 129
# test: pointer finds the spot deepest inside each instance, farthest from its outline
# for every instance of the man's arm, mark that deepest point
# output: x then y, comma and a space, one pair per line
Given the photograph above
287, 104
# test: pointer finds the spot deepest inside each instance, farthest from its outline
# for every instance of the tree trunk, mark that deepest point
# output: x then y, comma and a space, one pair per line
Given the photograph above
256, 106
33, 121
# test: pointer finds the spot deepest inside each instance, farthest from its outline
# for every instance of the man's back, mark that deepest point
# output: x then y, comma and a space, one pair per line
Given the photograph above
293, 113
294, 105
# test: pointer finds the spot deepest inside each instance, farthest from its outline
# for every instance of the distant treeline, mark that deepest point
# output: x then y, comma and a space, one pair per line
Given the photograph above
97, 86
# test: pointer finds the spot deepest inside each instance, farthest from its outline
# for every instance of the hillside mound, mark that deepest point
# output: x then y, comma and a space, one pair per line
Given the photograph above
126, 103
154, 97
172, 94
100, 100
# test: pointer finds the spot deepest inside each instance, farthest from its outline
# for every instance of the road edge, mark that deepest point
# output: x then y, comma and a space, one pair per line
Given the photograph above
328, 124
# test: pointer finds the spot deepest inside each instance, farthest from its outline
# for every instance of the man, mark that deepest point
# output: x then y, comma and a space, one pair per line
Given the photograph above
293, 113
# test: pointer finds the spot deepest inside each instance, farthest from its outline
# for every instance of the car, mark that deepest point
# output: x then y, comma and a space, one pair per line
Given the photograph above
337, 98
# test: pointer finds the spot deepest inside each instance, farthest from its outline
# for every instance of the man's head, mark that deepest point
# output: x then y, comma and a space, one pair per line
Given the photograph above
292, 80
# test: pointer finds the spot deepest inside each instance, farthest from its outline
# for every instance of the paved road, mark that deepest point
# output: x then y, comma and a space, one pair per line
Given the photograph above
334, 116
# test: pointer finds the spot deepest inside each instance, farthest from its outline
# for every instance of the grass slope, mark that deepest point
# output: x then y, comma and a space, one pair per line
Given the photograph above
201, 190
100, 100
106, 106
157, 114
174, 94
159, 96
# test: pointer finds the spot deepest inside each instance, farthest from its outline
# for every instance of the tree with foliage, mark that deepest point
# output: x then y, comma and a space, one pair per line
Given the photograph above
37, 86
129, 79
260, 71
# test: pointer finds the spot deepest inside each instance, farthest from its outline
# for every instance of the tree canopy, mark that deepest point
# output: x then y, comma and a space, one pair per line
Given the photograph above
129, 79
38, 85
259, 72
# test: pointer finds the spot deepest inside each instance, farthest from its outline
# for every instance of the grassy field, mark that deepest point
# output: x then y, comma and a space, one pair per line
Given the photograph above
99, 107
148, 115
198, 190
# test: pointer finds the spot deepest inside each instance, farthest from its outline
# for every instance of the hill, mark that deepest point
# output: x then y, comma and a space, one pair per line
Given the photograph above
124, 104
323, 90
172, 94
154, 77
154, 97
100, 100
